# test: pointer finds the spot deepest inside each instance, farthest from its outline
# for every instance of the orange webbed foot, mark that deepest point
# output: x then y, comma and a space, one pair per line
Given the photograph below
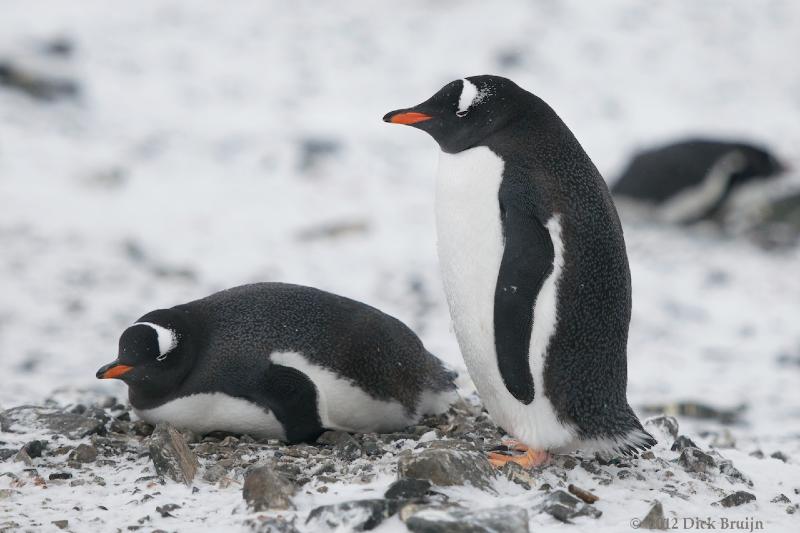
530, 459
514, 444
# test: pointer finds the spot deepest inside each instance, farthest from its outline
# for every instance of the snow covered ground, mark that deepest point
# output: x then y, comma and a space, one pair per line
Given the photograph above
213, 146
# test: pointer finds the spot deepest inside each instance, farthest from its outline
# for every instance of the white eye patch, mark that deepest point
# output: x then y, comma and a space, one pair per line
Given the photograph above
470, 96
167, 340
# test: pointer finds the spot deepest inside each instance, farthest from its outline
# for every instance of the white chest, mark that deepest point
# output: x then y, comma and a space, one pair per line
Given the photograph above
470, 245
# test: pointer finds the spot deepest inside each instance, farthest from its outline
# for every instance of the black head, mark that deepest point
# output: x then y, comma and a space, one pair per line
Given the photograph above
758, 164
466, 111
155, 353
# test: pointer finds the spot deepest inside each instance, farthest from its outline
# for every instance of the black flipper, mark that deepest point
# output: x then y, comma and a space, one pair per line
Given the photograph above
292, 397
527, 261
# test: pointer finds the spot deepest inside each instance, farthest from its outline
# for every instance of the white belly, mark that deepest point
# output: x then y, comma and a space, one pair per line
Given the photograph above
470, 243
206, 412
342, 404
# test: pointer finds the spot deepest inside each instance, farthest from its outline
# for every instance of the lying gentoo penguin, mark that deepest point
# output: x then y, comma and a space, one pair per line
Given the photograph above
689, 181
282, 361
534, 268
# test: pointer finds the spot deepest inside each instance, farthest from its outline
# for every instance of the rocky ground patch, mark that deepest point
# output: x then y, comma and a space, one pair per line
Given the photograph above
94, 467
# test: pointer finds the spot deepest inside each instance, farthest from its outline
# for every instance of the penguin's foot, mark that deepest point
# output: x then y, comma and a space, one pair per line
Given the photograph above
530, 459
514, 444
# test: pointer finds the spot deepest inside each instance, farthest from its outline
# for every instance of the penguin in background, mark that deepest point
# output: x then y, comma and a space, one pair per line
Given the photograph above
279, 361
692, 180
534, 268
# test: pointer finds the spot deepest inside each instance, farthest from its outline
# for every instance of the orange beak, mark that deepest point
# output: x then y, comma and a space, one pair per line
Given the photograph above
409, 117
113, 370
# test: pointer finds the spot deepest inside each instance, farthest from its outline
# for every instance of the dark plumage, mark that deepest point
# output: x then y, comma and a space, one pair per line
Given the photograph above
546, 177
701, 172
224, 343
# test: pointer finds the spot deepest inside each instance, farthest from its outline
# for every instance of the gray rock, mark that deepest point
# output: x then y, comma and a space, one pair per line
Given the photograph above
408, 489
98, 414
567, 462
142, 428
371, 448
781, 498
85, 453
35, 448
732, 473
682, 442
344, 445
23, 457
509, 519
6, 453
737, 498
452, 444
334, 229
214, 473
348, 449
60, 46
265, 489
29, 418
270, 524
171, 455
591, 466
448, 467
60, 524
779, 455
360, 515
564, 506
654, 519
314, 150
693, 460
515, 473
329, 438
37, 83
663, 424
166, 510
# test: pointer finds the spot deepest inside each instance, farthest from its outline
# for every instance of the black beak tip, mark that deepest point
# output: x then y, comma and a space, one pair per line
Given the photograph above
105, 368
388, 116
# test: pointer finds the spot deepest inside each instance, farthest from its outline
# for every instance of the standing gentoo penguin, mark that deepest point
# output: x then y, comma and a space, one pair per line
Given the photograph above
278, 361
534, 268
692, 180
